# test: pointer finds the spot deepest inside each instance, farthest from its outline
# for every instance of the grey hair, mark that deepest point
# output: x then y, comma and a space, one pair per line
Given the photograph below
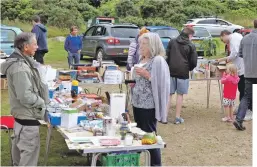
23, 39
155, 44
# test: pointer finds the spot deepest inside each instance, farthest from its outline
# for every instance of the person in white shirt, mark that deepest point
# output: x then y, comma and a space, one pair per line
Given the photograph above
234, 41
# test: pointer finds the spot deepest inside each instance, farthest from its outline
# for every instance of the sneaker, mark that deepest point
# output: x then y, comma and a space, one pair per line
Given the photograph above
248, 115
179, 120
238, 125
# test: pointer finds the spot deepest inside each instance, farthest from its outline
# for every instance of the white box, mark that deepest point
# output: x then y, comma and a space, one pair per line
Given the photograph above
117, 104
69, 120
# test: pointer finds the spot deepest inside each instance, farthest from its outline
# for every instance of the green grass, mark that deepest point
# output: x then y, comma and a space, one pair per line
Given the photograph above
26, 26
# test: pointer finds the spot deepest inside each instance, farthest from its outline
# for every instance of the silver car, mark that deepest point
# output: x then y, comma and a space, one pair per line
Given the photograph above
108, 41
213, 25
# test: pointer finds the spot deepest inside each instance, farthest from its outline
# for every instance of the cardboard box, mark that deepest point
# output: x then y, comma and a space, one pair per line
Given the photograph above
217, 71
4, 84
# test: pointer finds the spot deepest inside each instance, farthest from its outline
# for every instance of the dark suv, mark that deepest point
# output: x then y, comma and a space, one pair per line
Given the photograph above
108, 41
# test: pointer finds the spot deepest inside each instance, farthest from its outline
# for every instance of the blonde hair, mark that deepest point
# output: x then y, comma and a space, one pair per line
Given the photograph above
143, 30
232, 69
155, 44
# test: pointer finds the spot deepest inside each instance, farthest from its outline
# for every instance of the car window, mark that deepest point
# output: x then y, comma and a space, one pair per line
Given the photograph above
90, 31
124, 32
167, 33
221, 22
201, 32
98, 31
210, 21
7, 35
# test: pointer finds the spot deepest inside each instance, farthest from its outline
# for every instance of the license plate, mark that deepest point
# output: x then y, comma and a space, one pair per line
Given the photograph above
125, 51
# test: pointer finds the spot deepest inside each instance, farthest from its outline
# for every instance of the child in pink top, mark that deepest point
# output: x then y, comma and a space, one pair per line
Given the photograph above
230, 80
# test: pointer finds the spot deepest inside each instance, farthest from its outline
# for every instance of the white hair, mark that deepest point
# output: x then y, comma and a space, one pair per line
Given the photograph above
155, 44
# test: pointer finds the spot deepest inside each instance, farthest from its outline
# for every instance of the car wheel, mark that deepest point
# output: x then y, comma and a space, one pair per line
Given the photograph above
99, 55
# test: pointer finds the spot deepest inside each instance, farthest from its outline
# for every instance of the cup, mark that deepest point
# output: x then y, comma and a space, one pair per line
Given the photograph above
129, 140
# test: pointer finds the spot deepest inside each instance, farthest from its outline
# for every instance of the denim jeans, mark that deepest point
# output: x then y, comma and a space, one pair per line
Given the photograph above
246, 102
241, 87
145, 119
73, 58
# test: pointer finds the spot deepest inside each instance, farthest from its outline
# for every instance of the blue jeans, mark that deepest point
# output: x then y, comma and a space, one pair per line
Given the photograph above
246, 102
145, 119
73, 58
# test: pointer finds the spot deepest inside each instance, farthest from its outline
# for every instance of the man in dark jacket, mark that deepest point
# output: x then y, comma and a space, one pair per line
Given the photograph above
182, 58
248, 51
41, 37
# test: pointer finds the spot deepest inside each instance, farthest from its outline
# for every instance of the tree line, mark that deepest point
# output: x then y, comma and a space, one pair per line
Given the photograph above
64, 13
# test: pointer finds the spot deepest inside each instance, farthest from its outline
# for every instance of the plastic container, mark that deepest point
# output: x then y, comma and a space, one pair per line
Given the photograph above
75, 86
81, 118
51, 93
129, 139
54, 120
129, 159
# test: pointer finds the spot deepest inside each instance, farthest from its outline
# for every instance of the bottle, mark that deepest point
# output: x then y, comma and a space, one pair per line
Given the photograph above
75, 86
124, 129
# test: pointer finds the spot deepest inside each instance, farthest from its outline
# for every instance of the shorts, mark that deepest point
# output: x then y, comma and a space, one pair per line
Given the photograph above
229, 102
180, 86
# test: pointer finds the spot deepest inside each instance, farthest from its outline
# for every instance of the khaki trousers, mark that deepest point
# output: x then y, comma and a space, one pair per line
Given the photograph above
25, 145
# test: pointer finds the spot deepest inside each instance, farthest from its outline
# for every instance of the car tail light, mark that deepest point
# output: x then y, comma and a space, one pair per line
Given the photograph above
113, 41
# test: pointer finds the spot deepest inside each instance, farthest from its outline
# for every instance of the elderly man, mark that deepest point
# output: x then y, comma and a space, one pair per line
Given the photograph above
28, 97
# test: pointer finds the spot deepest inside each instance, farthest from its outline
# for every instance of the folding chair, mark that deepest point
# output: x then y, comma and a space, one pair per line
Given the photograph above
7, 124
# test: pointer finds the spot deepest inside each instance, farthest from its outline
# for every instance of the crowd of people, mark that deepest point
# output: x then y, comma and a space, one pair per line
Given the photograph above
159, 74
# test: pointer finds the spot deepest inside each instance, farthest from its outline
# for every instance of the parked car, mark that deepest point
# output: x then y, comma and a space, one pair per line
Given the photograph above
201, 35
108, 41
8, 35
213, 25
165, 32
244, 32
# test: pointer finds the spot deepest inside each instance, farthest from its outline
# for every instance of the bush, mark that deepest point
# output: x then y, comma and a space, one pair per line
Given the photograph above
63, 18
126, 8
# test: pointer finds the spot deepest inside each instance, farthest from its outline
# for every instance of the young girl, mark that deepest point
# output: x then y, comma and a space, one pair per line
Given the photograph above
230, 80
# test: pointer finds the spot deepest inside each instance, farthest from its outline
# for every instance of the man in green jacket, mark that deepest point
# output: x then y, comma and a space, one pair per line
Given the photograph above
28, 97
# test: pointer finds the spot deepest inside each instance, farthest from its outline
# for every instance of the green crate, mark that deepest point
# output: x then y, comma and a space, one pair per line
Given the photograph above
129, 159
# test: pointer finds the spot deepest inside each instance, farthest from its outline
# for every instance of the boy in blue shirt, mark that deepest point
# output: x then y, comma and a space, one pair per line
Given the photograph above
73, 45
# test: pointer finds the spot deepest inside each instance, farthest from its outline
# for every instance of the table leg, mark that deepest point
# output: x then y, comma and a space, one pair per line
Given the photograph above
221, 96
94, 159
147, 158
48, 139
120, 87
208, 92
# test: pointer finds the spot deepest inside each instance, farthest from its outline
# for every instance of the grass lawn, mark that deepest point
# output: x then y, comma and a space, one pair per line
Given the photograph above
56, 57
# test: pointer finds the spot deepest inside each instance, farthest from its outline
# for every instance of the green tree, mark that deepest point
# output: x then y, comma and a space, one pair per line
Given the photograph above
126, 8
